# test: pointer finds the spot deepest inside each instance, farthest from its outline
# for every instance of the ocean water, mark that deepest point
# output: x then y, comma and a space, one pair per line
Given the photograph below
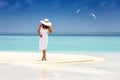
61, 43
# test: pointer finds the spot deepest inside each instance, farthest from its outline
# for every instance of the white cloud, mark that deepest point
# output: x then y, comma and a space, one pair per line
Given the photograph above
29, 1
3, 4
16, 5
103, 3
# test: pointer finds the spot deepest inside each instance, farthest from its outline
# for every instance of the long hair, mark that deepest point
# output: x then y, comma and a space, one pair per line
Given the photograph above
45, 27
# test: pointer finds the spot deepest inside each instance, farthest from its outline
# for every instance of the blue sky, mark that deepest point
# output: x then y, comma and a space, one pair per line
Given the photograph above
23, 16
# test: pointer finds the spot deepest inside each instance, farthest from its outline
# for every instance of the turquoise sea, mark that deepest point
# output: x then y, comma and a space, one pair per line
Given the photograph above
63, 43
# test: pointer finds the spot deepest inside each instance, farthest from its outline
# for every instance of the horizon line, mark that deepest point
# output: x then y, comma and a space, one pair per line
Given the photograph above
116, 34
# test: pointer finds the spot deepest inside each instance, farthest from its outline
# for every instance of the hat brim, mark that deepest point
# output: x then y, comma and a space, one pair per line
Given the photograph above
46, 23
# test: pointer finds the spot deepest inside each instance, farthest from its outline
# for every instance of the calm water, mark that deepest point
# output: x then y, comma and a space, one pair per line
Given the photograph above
61, 43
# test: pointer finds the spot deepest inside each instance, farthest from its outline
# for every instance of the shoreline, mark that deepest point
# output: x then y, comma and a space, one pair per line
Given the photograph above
108, 34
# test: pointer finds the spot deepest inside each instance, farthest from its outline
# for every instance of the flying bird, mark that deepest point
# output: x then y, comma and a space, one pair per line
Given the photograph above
77, 11
93, 15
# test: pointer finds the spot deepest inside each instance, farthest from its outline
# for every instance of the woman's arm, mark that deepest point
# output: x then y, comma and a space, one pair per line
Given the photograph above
39, 30
50, 29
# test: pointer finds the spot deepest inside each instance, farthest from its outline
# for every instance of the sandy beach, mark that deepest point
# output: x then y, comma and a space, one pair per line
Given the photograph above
28, 66
52, 58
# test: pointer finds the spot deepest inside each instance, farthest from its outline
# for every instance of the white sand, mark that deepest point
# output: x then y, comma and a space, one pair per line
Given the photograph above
52, 58
28, 66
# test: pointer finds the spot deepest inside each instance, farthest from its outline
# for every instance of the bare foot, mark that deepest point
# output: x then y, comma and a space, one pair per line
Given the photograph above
43, 59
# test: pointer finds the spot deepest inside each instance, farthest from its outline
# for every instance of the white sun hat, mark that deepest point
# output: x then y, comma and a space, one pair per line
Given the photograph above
46, 22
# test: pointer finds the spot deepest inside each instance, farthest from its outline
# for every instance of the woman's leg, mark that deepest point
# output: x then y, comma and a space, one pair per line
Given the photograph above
44, 55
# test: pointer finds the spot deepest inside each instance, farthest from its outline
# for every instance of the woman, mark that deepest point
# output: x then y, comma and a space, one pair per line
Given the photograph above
43, 30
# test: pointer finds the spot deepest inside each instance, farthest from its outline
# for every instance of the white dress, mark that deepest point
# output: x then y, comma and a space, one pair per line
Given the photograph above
44, 39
